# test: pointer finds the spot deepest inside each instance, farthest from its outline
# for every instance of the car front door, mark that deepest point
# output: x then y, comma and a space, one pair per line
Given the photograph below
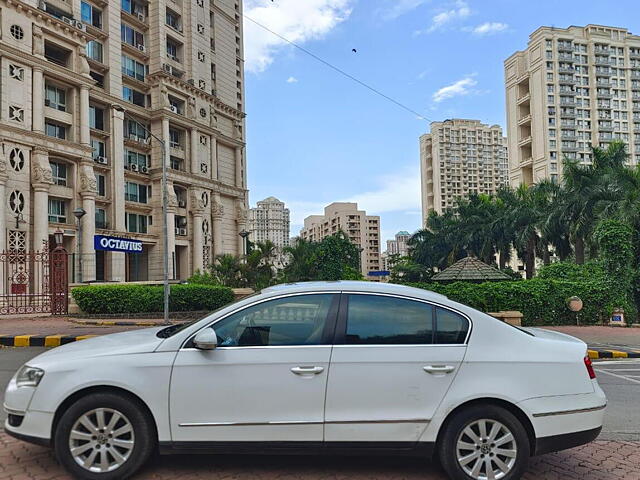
392, 364
265, 381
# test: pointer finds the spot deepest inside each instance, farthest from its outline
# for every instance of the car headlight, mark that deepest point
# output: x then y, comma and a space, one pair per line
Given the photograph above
29, 376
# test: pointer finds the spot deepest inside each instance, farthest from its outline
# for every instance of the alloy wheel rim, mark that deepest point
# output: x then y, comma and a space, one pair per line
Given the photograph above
101, 440
486, 450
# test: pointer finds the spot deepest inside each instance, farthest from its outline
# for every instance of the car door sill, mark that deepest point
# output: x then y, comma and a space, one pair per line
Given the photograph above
298, 448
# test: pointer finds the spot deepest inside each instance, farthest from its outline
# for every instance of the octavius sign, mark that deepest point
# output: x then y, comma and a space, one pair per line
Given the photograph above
115, 244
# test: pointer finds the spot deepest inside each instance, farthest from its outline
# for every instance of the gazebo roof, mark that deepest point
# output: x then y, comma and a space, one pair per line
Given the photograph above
470, 269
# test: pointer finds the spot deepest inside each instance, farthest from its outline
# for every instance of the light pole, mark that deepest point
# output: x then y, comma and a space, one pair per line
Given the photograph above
244, 234
79, 213
165, 213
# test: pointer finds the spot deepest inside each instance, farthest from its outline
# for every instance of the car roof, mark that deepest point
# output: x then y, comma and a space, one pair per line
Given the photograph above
353, 286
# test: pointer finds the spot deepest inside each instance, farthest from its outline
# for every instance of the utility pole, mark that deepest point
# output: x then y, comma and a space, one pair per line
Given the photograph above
165, 213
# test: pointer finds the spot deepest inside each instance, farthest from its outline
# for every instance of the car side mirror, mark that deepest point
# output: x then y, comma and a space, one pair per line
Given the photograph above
206, 340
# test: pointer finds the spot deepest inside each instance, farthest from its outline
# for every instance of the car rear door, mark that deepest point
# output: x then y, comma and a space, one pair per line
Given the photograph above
266, 379
393, 360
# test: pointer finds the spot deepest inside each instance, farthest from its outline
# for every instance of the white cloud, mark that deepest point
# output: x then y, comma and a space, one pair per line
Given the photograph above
397, 8
297, 20
292, 80
488, 28
459, 11
464, 86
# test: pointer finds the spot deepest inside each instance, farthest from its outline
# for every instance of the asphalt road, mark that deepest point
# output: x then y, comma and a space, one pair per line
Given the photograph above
620, 379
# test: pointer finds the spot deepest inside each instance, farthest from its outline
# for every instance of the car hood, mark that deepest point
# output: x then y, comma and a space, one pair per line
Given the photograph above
553, 335
123, 343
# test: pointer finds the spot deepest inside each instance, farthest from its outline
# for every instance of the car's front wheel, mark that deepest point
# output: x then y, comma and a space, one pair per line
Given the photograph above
484, 442
104, 436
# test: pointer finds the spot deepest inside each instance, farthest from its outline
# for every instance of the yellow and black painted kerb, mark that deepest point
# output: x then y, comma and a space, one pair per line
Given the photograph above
39, 340
606, 353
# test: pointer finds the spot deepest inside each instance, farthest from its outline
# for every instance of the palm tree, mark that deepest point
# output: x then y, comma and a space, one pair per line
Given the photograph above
525, 217
300, 266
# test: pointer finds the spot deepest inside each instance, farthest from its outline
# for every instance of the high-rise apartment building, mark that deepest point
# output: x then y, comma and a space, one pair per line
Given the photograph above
363, 230
398, 246
570, 89
88, 88
269, 220
460, 157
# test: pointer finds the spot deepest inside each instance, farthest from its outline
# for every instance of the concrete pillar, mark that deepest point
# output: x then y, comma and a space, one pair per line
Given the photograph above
165, 137
194, 150
85, 132
41, 181
239, 168
88, 191
3, 221
38, 100
171, 229
217, 213
214, 158
241, 222
198, 242
117, 260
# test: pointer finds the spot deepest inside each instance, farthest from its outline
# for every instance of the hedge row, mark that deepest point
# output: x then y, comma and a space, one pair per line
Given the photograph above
123, 298
541, 301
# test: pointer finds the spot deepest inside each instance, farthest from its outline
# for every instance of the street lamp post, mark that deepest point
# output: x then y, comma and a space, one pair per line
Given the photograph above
244, 234
79, 213
165, 213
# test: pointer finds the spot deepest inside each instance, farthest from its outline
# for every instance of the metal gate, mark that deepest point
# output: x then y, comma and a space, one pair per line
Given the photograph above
34, 282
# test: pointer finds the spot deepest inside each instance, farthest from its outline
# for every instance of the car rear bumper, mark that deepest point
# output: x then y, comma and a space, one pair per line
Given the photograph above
564, 441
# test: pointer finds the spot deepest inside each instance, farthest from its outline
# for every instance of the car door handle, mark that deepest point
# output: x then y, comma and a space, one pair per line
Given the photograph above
438, 369
307, 370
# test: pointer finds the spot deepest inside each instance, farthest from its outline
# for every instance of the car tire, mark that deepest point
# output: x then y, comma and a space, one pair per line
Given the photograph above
465, 454
107, 432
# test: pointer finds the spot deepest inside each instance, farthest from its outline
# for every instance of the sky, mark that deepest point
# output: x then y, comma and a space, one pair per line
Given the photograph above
315, 137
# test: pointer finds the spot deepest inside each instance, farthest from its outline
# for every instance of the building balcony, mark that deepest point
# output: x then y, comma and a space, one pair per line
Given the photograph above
566, 69
607, 96
525, 141
603, 83
570, 149
634, 55
565, 47
570, 80
567, 93
568, 114
563, 57
603, 62
635, 73
526, 161
525, 120
605, 128
524, 98
604, 73
571, 138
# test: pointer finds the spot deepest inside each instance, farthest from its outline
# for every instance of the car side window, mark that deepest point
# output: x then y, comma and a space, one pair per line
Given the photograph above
376, 319
296, 320
451, 328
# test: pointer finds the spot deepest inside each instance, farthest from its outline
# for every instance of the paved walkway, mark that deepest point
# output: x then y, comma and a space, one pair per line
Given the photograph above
596, 461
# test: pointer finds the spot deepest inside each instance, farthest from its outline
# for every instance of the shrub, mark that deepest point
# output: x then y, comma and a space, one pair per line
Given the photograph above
119, 299
572, 272
541, 301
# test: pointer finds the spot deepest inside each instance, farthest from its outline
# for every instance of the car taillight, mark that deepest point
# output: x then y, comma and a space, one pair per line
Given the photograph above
589, 365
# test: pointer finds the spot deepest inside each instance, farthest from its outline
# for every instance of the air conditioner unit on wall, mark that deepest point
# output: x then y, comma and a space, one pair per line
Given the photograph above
141, 48
174, 109
182, 204
177, 231
167, 68
141, 17
183, 231
101, 160
134, 167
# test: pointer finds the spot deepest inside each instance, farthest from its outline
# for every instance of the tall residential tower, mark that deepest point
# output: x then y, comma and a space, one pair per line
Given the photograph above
459, 157
269, 220
570, 89
84, 83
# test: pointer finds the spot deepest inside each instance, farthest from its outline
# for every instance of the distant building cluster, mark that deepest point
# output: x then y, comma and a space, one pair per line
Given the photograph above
269, 220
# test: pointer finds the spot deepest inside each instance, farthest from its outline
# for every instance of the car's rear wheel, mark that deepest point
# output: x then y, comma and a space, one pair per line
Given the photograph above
104, 436
484, 442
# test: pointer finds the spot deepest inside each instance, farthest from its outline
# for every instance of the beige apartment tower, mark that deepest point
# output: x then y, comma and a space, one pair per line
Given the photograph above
363, 230
570, 89
83, 84
269, 220
460, 157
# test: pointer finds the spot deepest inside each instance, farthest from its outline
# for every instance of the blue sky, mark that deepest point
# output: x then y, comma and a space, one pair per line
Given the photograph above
314, 137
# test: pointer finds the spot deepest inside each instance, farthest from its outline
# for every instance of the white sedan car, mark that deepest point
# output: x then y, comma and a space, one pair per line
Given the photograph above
314, 367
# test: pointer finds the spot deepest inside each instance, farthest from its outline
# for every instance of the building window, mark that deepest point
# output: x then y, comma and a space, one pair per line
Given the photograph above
173, 49
91, 15
136, 223
133, 69
133, 96
16, 159
101, 218
98, 149
134, 8
176, 163
136, 131
136, 161
55, 130
99, 78
131, 36
175, 138
17, 32
134, 192
55, 97
176, 105
59, 171
101, 183
173, 20
94, 50
57, 211
96, 117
